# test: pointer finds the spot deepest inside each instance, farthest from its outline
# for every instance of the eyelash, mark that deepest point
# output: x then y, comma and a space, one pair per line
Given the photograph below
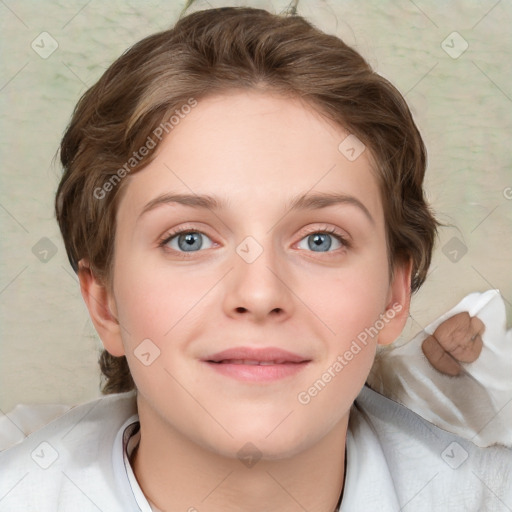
169, 236
329, 231
344, 242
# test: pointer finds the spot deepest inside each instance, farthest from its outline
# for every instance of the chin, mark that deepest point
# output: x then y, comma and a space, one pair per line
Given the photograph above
267, 442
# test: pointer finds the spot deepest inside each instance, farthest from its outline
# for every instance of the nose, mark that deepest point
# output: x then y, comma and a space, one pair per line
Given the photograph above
257, 289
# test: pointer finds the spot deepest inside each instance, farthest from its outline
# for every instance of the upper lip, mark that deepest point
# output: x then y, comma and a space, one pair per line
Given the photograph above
266, 354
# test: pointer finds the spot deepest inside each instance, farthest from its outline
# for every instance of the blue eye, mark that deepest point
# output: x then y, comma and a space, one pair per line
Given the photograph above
322, 242
187, 241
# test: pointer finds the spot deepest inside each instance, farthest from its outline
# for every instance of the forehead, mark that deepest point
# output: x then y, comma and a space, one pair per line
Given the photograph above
254, 149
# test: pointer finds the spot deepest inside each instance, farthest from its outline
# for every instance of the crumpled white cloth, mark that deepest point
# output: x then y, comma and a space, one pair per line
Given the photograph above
25, 419
476, 405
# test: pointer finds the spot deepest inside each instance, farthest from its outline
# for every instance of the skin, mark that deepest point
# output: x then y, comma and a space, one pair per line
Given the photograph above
457, 339
255, 151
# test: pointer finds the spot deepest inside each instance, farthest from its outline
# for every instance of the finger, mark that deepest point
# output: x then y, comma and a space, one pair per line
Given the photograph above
477, 326
472, 351
459, 338
439, 358
454, 331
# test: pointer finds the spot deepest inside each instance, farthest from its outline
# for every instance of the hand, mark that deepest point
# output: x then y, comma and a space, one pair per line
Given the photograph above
457, 339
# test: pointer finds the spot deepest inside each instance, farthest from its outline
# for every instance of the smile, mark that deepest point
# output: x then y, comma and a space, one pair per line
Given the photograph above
262, 364
251, 361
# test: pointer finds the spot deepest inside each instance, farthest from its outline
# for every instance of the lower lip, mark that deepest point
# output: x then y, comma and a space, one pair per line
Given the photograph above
258, 373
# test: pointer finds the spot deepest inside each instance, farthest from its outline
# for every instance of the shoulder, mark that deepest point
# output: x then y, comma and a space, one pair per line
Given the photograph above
432, 469
67, 461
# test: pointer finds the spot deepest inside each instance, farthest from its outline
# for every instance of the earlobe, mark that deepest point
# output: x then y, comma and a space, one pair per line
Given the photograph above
101, 308
398, 303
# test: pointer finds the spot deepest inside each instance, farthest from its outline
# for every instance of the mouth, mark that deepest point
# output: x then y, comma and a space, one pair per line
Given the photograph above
252, 362
257, 364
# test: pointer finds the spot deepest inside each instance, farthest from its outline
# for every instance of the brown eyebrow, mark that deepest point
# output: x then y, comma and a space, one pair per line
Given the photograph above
322, 200
302, 202
193, 200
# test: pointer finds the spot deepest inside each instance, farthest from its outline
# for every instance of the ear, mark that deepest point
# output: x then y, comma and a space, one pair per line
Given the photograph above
102, 309
398, 303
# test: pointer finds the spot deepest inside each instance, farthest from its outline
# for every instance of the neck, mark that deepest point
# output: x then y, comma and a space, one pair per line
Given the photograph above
176, 474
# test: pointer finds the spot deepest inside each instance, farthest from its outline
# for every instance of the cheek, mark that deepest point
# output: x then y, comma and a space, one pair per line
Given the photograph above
349, 306
152, 299
349, 301
158, 312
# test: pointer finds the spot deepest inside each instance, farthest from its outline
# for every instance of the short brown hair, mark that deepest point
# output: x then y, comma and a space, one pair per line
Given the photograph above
214, 51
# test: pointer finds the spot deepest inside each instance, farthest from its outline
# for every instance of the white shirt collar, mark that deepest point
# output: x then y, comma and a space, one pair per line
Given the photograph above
126, 440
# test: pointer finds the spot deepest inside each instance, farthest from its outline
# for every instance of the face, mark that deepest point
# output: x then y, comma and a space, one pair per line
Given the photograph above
250, 257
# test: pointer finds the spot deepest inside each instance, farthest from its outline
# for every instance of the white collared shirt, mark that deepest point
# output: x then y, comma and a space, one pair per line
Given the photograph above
395, 461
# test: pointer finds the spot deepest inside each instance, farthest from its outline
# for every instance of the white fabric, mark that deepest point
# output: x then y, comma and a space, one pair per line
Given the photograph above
130, 432
477, 405
395, 461
398, 461
24, 419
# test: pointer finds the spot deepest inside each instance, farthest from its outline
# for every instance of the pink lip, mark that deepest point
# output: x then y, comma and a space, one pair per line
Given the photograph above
242, 363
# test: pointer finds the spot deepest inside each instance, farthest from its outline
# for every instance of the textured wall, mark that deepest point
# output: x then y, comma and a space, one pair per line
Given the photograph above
462, 101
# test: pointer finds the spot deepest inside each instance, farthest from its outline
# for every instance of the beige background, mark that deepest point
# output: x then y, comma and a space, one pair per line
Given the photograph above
463, 105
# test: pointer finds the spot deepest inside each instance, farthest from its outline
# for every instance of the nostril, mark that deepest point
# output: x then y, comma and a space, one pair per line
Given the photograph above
275, 311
